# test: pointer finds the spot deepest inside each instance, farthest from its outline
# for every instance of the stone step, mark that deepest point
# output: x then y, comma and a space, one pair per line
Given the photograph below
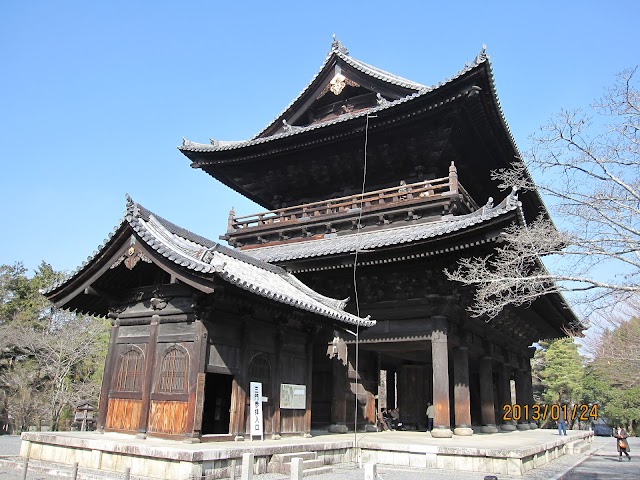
285, 468
286, 457
317, 471
578, 447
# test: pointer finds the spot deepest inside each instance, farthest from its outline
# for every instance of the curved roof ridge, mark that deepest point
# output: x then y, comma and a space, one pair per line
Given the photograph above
304, 90
482, 57
334, 302
379, 73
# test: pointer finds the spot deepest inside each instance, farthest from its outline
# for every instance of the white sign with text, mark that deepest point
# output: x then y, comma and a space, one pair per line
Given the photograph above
257, 426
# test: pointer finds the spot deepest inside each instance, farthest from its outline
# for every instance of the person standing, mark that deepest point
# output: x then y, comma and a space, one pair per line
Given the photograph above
562, 421
431, 412
622, 443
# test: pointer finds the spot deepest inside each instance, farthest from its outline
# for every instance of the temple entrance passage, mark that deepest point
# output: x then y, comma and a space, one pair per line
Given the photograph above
413, 394
217, 404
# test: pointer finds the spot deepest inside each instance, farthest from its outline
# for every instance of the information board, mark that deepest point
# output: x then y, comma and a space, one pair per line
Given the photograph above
293, 396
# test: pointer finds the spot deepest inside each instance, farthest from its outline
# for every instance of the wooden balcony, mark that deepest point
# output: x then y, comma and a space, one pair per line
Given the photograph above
380, 207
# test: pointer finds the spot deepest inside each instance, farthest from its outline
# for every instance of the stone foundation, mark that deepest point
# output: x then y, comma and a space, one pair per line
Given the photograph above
511, 453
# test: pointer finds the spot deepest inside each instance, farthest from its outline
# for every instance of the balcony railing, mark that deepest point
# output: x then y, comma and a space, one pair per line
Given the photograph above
420, 192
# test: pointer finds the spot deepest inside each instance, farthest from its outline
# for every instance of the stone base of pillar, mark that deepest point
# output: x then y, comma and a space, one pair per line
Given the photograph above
275, 436
441, 432
463, 431
307, 435
533, 426
370, 428
336, 428
524, 426
489, 429
507, 427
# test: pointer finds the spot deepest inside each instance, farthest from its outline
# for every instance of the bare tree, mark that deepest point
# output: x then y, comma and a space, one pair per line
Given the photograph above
59, 363
590, 174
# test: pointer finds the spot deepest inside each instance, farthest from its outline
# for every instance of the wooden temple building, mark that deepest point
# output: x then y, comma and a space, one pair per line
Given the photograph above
194, 322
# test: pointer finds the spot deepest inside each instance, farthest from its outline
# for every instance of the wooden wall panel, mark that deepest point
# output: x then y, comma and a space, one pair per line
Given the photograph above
168, 417
292, 421
123, 414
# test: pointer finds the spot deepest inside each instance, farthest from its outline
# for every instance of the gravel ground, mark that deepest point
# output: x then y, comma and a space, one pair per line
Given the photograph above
10, 468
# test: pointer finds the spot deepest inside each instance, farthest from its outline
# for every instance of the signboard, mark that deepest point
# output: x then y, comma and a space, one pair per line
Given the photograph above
257, 427
293, 396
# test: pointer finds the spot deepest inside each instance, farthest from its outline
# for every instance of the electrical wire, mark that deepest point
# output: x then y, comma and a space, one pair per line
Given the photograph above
355, 284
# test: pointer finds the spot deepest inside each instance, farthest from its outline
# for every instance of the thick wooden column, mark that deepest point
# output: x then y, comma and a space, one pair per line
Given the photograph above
107, 376
504, 387
150, 356
340, 373
309, 383
528, 381
461, 395
440, 360
486, 396
521, 398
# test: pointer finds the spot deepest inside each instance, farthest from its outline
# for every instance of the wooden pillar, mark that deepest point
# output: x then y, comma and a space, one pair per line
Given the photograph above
239, 388
340, 373
309, 383
197, 376
147, 379
461, 395
107, 376
277, 381
521, 398
440, 360
528, 380
504, 387
486, 396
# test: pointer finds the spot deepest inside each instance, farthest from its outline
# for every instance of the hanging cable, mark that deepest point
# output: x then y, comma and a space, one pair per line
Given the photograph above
355, 284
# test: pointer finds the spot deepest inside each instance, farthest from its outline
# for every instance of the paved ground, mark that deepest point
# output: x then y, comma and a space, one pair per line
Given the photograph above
600, 463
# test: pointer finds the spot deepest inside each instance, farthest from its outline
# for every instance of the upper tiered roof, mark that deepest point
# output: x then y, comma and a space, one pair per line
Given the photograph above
314, 149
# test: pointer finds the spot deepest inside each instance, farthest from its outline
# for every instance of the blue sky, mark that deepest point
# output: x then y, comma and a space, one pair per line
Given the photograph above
95, 96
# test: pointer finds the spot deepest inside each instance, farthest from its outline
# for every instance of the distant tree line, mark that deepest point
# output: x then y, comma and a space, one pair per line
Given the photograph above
608, 378
50, 360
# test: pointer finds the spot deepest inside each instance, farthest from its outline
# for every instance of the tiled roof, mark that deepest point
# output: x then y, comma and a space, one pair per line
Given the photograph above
193, 252
385, 237
420, 91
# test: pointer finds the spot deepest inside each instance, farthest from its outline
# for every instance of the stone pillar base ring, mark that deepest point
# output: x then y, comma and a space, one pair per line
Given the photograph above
463, 431
337, 428
441, 432
489, 429
524, 426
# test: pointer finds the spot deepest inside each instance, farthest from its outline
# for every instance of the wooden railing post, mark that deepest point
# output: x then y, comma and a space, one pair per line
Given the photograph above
231, 221
453, 178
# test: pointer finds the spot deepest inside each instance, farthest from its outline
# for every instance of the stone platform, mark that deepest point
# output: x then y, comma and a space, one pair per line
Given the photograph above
510, 453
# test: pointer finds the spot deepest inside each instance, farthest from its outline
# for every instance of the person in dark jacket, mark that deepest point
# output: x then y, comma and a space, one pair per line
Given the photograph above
622, 443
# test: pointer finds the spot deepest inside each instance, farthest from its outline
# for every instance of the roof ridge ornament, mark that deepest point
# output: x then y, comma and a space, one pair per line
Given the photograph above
381, 101
290, 128
482, 56
132, 207
337, 46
